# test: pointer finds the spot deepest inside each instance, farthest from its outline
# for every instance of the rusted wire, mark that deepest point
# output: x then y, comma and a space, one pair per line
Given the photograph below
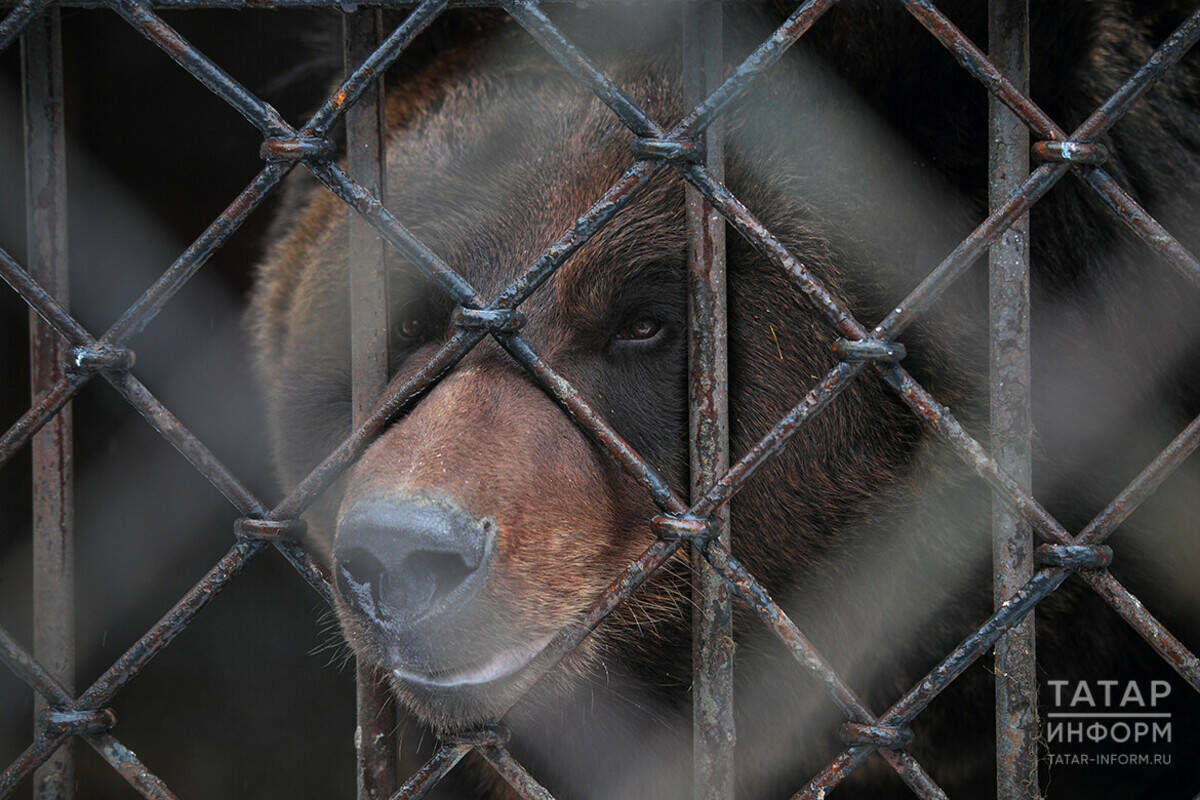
860, 347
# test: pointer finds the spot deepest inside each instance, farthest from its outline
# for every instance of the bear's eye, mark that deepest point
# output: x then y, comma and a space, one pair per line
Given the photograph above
410, 328
640, 330
408, 325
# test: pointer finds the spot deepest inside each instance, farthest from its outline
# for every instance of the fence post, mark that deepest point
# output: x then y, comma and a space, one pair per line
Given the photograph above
708, 428
1012, 538
374, 738
53, 473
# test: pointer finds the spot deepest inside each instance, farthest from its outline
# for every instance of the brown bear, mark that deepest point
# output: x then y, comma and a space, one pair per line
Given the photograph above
482, 521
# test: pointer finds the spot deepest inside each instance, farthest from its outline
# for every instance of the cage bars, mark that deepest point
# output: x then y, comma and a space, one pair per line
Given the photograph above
713, 727
862, 350
374, 738
1010, 407
52, 447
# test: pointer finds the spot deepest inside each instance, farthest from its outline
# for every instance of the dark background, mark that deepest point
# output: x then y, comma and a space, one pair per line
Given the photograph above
245, 703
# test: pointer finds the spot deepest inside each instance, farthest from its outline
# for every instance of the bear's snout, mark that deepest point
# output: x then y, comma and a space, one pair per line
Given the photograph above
405, 562
453, 571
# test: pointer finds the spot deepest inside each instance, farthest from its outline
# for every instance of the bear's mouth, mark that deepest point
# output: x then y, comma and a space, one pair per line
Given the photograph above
500, 666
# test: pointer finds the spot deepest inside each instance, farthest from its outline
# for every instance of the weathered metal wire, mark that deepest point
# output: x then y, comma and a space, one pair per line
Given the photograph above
285, 145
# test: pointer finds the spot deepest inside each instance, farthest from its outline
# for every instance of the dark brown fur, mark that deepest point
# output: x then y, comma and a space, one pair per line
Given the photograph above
873, 537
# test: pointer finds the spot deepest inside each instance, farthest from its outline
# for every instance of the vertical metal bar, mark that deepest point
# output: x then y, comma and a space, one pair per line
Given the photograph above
1012, 538
53, 475
712, 620
374, 738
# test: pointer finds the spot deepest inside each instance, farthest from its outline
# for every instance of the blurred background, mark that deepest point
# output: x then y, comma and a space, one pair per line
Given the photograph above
244, 703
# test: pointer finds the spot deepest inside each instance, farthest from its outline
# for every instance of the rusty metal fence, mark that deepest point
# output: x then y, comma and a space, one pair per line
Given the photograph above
66, 356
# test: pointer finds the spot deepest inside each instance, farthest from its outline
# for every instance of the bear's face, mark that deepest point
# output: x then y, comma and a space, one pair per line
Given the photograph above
482, 521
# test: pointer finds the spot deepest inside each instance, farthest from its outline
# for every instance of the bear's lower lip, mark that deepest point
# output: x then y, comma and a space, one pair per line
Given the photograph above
499, 666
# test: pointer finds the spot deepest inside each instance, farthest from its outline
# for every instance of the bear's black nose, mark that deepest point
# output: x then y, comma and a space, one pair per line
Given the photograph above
399, 561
